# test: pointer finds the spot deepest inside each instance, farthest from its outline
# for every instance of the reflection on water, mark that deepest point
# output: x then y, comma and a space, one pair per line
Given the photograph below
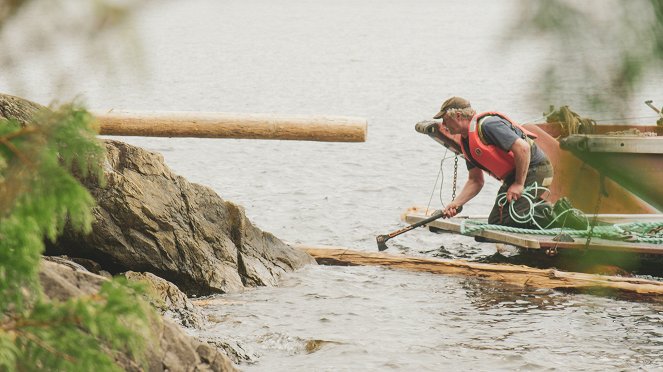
596, 262
358, 318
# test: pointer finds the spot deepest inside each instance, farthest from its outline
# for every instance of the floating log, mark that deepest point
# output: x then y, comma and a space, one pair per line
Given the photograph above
518, 275
228, 125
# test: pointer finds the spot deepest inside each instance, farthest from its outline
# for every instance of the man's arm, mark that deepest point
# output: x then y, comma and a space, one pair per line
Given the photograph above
521, 156
471, 188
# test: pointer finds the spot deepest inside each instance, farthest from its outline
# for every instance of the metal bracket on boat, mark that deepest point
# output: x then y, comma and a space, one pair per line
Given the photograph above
552, 251
561, 237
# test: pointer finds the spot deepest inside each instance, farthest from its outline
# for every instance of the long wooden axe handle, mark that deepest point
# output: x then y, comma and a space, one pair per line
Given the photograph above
382, 239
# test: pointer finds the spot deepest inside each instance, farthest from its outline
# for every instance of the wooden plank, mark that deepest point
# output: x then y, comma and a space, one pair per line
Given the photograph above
555, 129
613, 218
626, 218
230, 125
530, 241
598, 244
522, 276
453, 225
622, 144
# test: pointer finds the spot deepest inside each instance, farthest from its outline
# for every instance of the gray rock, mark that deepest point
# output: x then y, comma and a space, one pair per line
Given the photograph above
91, 266
237, 352
64, 260
171, 350
17, 108
149, 219
169, 300
78, 263
62, 280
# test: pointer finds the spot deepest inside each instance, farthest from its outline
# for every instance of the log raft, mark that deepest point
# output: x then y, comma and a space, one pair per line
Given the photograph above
532, 241
229, 125
522, 276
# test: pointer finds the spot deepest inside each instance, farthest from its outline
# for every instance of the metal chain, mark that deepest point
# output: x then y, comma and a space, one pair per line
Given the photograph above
596, 210
453, 192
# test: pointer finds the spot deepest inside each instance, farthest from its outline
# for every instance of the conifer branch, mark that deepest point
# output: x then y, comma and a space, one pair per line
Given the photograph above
16, 152
31, 203
19, 324
22, 131
32, 337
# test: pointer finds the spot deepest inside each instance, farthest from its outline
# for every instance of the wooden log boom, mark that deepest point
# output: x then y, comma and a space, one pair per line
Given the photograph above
522, 276
228, 125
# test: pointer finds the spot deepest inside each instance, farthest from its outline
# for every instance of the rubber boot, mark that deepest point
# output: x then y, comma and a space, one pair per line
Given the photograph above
573, 219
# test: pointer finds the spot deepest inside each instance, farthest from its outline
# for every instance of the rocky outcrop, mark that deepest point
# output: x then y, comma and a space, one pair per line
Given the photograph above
169, 300
16, 108
170, 350
149, 219
152, 224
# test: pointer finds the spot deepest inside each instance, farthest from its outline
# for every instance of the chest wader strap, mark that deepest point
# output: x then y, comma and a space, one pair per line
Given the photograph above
482, 136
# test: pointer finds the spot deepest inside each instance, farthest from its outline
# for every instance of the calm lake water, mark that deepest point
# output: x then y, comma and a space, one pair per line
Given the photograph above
392, 62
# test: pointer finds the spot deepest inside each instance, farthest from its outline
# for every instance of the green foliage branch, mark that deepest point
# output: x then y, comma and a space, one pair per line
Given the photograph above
608, 48
38, 196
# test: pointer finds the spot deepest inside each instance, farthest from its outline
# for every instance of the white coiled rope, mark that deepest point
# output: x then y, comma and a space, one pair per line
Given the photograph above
642, 232
530, 195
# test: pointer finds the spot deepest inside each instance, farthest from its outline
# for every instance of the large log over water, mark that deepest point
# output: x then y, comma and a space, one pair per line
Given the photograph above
522, 276
227, 125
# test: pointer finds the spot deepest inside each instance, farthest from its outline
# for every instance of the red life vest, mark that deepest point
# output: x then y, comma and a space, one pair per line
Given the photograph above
492, 159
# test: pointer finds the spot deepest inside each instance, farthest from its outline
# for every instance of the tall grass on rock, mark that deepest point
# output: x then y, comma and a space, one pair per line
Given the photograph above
38, 195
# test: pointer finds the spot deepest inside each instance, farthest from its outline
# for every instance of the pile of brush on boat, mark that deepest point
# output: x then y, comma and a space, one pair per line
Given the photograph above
612, 173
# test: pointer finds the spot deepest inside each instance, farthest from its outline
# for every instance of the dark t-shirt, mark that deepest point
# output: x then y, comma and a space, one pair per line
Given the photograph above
499, 132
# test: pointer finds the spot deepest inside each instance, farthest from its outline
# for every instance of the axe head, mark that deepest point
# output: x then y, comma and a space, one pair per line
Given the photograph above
382, 242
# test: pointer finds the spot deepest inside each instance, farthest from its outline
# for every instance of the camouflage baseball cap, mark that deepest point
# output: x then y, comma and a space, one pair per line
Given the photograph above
452, 103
